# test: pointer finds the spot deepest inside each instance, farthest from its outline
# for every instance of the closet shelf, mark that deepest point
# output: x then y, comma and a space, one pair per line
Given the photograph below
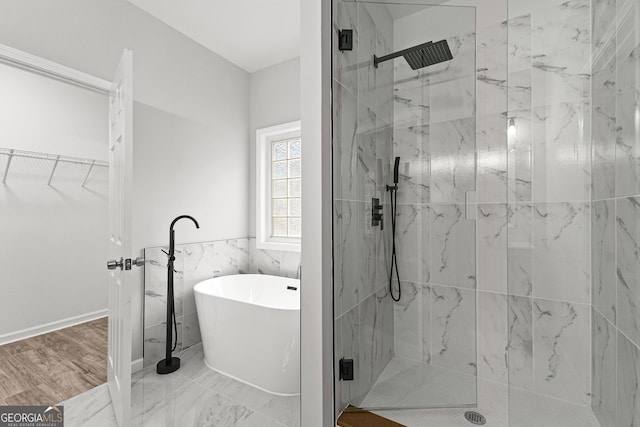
55, 158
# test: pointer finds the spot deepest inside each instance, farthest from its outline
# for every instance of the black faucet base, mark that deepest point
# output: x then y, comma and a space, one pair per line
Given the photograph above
163, 368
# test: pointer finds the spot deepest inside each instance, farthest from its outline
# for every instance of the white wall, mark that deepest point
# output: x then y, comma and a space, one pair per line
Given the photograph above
53, 238
274, 99
316, 293
46, 115
190, 115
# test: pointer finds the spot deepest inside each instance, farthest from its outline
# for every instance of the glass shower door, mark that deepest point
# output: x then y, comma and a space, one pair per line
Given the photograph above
550, 200
421, 350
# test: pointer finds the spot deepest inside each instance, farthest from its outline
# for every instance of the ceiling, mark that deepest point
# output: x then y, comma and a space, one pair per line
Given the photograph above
253, 34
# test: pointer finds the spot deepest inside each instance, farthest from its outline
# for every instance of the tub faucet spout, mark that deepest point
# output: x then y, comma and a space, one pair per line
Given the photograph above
184, 216
172, 233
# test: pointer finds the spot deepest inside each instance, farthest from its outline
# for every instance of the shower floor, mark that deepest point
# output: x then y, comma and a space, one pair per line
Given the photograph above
408, 384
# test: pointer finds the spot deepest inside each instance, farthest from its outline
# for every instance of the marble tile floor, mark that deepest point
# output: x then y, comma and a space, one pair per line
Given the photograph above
405, 383
194, 396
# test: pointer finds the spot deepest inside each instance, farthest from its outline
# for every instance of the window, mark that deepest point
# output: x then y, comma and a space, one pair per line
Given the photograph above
278, 187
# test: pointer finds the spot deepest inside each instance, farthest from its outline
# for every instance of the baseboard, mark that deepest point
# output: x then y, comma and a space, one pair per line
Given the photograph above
50, 327
137, 365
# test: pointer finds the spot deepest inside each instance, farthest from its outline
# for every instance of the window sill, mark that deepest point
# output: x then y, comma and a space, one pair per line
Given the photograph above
278, 246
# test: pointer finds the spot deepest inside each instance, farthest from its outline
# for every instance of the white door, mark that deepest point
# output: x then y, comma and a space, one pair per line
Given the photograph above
120, 219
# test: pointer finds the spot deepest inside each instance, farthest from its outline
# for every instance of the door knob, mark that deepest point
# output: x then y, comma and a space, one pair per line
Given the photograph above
113, 264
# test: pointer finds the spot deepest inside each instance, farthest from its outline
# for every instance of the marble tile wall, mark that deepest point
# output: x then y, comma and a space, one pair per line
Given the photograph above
196, 262
615, 212
362, 150
275, 263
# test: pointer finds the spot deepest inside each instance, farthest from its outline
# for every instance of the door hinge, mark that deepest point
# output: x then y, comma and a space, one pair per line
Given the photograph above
345, 40
346, 369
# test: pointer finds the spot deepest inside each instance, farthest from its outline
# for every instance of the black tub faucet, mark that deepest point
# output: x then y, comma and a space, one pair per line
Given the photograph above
171, 364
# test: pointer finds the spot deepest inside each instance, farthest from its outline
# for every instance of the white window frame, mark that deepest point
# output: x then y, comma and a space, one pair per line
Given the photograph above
264, 139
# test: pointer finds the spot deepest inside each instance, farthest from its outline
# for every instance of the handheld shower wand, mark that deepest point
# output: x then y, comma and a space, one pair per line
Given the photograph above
392, 189
395, 172
171, 364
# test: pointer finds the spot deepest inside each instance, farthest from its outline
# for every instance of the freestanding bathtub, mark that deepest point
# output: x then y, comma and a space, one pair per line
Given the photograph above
250, 325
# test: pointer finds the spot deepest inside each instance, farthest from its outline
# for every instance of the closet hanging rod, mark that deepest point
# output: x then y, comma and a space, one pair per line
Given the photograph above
56, 158
53, 157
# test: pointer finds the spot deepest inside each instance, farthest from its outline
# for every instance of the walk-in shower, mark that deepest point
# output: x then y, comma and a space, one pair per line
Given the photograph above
513, 213
409, 122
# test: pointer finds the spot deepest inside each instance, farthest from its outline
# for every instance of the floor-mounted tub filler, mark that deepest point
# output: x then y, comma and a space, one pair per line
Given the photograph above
171, 364
250, 325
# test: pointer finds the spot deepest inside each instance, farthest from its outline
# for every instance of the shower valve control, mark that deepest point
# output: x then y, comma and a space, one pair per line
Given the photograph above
376, 213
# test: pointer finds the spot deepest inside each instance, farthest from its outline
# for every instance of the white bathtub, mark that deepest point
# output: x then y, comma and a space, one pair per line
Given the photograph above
250, 325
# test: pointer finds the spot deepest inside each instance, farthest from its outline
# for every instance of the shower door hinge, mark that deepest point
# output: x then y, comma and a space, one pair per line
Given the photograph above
346, 369
345, 40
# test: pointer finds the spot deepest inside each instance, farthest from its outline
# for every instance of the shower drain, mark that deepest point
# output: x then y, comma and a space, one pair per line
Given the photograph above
475, 418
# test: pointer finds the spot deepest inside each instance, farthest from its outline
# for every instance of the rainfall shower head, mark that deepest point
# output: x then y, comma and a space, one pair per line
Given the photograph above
420, 56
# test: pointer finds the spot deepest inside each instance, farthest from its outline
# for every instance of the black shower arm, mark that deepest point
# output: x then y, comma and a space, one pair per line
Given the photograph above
384, 58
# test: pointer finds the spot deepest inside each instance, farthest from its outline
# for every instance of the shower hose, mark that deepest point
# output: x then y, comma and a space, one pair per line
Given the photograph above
394, 260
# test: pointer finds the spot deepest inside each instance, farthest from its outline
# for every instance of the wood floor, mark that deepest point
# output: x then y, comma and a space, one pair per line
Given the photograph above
356, 417
50, 368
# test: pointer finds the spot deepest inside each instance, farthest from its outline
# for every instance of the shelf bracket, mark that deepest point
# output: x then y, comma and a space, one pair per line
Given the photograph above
6, 170
53, 170
88, 172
